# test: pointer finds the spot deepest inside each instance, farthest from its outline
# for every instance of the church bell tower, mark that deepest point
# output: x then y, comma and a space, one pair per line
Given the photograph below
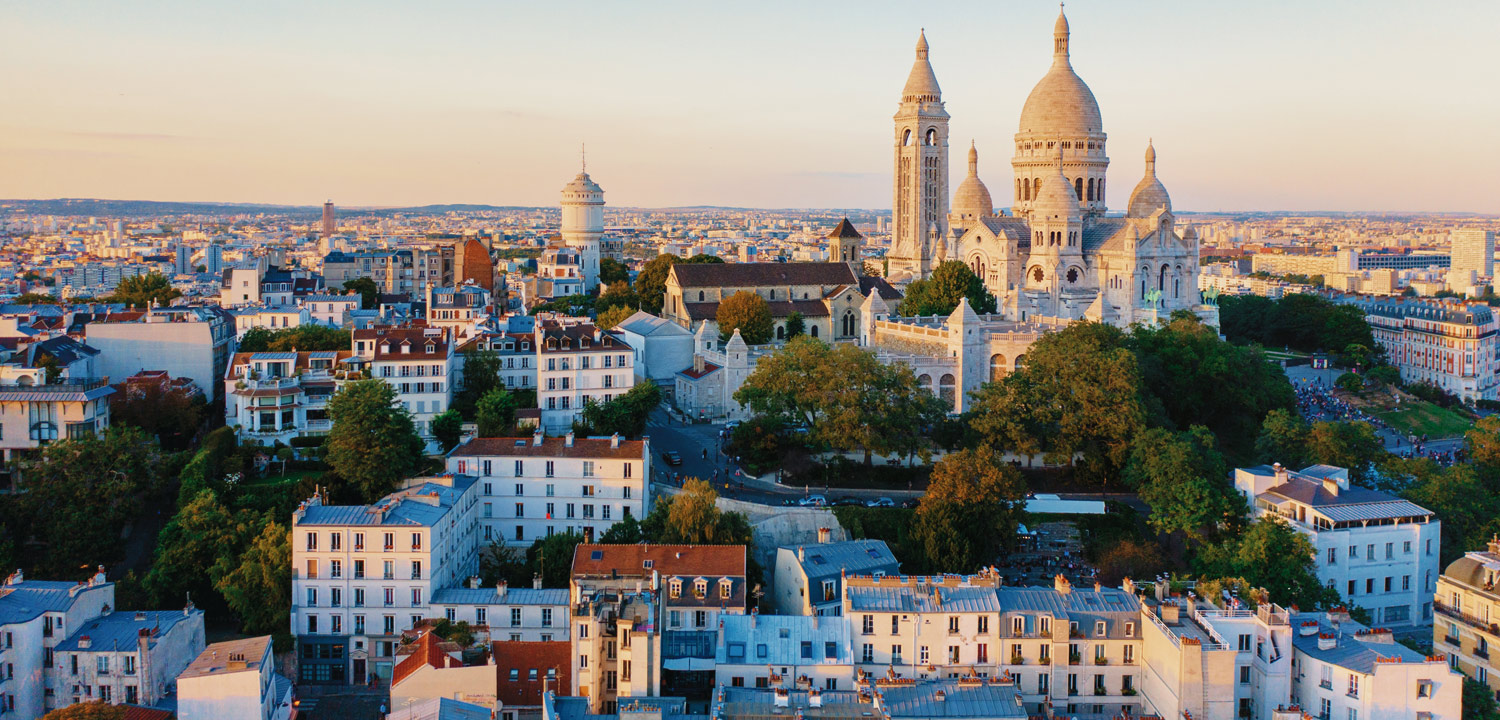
920, 199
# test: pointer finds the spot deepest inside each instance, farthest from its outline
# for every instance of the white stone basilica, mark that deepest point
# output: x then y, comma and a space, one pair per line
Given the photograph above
1057, 255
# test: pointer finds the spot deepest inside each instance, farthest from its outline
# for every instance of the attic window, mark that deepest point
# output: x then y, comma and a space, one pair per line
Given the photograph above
431, 347
583, 342
596, 555
648, 564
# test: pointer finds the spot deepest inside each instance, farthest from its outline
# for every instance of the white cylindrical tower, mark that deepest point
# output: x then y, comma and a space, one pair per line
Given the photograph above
583, 224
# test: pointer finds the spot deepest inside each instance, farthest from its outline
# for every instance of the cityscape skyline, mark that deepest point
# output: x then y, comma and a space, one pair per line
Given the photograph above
791, 111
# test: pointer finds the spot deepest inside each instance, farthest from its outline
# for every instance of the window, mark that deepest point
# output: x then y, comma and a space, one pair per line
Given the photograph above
1017, 625
896, 655
895, 625
806, 650
867, 625
1244, 674
922, 655
867, 653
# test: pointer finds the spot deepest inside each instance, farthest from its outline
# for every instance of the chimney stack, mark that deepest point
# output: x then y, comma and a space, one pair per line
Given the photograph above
825, 535
568, 439
614, 441
536, 438
1061, 585
536, 582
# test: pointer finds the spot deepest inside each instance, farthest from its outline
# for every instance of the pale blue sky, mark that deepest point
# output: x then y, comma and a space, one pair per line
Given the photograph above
1291, 105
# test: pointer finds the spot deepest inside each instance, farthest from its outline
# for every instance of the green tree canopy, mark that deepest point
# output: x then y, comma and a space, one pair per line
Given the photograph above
1468, 507
747, 312
303, 338
496, 413
33, 298
143, 290
1283, 439
92, 710
613, 316
1310, 323
624, 532
625, 414
169, 413
692, 518
1184, 479
651, 282
939, 294
369, 292
481, 375
617, 294
1352, 445
1272, 555
795, 325
257, 581
448, 428
1350, 382
970, 512
613, 271
373, 443
552, 558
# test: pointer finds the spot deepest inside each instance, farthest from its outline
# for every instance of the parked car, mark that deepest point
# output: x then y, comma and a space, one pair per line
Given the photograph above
848, 500
672, 457
881, 502
911, 502
813, 501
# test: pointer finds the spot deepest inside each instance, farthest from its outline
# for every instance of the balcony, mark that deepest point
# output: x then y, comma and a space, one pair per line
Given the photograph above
1451, 640
1074, 659
1465, 618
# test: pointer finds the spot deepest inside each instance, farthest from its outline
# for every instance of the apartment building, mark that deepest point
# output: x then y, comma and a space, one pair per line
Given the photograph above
273, 397
533, 487
1063, 648
577, 363
801, 651
361, 574
460, 309
127, 657
1378, 551
269, 317
34, 412
1467, 626
515, 342
35, 617
234, 680
809, 579
185, 341
616, 648
1454, 346
506, 614
971, 698
1343, 670
331, 310
417, 362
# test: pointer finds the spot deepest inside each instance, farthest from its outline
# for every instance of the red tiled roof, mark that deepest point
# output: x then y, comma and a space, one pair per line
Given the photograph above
427, 654
550, 447
525, 657
630, 560
136, 712
743, 275
695, 373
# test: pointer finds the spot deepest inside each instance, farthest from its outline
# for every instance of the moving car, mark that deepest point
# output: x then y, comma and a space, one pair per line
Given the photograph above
672, 457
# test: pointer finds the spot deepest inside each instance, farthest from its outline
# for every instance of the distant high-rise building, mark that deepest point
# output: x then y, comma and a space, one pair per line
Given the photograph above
213, 258
329, 226
1473, 249
184, 264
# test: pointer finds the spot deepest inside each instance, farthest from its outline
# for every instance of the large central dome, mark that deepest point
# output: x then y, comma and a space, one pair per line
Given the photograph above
1061, 104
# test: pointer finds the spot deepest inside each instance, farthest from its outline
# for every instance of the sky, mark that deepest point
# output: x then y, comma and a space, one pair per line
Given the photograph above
1269, 105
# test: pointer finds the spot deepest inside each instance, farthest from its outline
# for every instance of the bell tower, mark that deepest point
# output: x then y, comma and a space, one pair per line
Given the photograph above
920, 192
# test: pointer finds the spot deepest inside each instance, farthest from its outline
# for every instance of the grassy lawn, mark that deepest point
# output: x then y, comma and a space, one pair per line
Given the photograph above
291, 477
1283, 354
1423, 418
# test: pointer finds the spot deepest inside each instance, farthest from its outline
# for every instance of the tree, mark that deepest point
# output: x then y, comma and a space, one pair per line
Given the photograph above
612, 271
616, 295
92, 710
1383, 374
651, 282
1079, 394
496, 413
1469, 509
747, 312
447, 428
143, 290
373, 443
305, 338
692, 518
481, 375
1129, 559
1352, 445
369, 292
203, 534
795, 325
1479, 701
1283, 439
970, 512
1350, 382
623, 532
551, 557
170, 413
612, 317
939, 294
257, 582
1182, 476
625, 414
32, 298
1272, 555
1482, 443
79, 493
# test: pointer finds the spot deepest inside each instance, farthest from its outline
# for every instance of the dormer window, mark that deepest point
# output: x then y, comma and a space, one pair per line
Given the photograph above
583, 342
385, 348
674, 588
700, 588
431, 347
726, 587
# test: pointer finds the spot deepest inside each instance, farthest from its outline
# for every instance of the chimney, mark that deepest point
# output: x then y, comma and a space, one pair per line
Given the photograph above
614, 441
536, 438
814, 698
568, 439
140, 616
19, 577
85, 642
1308, 628
501, 588
1128, 586
825, 535
1494, 549
1327, 641
1331, 486
1279, 472
473, 582
698, 363
940, 696
1061, 585
536, 582
801, 554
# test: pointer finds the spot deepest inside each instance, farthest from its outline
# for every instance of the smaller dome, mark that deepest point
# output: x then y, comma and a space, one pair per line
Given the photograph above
1057, 196
972, 198
922, 83
1149, 194
1061, 26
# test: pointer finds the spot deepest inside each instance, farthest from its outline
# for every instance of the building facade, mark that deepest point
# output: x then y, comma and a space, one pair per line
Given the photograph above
578, 363
1467, 626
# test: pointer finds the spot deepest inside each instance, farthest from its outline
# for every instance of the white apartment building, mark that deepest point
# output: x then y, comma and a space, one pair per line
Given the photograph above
778, 650
127, 657
34, 412
515, 342
234, 680
576, 364
461, 309
1073, 650
417, 362
331, 310
530, 488
1345, 671
270, 317
1378, 551
361, 574
506, 614
190, 342
276, 396
35, 617
1473, 251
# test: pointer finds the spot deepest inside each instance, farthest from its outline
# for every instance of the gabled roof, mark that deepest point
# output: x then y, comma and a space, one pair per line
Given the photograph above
525, 657
744, 275
844, 229
428, 653
856, 556
665, 560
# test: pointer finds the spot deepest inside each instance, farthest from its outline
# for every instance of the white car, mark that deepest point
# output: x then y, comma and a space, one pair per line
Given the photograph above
881, 502
813, 501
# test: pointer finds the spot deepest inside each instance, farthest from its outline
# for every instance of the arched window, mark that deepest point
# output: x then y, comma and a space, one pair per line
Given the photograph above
780, 332
906, 137
813, 331
997, 367
931, 136
1020, 362
849, 324
1018, 189
700, 296
1090, 190
1026, 185
773, 293
1078, 188
946, 389
1161, 278
925, 381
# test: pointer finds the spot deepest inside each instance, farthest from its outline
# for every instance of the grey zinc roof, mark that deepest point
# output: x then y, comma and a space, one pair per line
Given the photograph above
273, 356
923, 597
28, 599
1374, 511
489, 596
1350, 652
961, 700
858, 557
782, 636
120, 629
403, 511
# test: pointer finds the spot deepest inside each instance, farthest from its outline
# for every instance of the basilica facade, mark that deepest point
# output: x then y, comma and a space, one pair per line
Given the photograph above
1057, 254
